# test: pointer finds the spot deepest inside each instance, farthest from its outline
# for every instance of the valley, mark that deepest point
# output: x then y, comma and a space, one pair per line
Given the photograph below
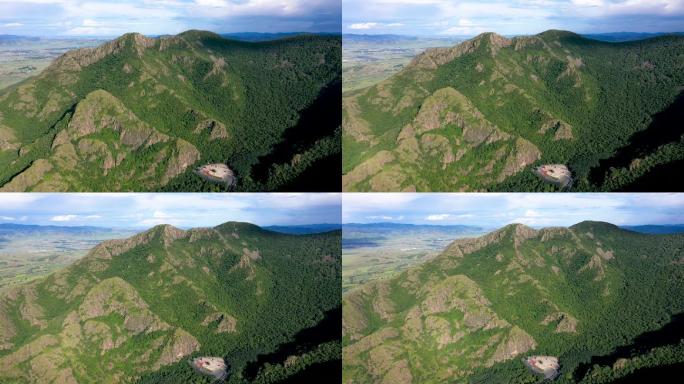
369, 59
22, 57
28, 252
381, 250
604, 300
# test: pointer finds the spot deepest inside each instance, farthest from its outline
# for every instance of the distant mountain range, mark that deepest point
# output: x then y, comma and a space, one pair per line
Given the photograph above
304, 229
628, 36
655, 229
6, 228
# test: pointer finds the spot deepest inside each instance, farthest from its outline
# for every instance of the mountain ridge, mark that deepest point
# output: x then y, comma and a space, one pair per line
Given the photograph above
171, 87
135, 309
472, 311
519, 102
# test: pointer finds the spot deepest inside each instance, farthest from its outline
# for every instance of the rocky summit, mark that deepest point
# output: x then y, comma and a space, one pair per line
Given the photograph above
475, 311
137, 309
139, 114
481, 115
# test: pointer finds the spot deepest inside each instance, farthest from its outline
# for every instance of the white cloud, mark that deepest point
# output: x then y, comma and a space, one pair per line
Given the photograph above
363, 25
90, 23
65, 218
372, 25
212, 3
7, 218
12, 25
385, 218
438, 217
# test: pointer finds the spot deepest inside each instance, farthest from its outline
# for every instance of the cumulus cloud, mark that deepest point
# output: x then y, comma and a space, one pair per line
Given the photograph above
374, 25
470, 17
141, 210
536, 209
64, 218
114, 17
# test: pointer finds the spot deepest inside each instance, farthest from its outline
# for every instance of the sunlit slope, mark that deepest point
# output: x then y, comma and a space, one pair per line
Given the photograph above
132, 307
471, 313
480, 115
139, 113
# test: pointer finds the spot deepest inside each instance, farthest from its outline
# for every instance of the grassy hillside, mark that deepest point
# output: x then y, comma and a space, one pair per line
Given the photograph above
482, 114
138, 114
602, 299
136, 310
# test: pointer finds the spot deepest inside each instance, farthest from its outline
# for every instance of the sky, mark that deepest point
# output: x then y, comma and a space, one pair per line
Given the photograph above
157, 17
510, 17
183, 210
494, 210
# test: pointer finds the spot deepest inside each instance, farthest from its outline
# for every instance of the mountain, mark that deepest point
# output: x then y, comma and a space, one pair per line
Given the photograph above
607, 302
265, 36
627, 36
11, 228
135, 310
656, 229
304, 229
482, 114
139, 113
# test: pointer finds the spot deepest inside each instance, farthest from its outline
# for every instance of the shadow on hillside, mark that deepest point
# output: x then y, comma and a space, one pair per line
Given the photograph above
666, 127
660, 374
670, 333
328, 329
317, 121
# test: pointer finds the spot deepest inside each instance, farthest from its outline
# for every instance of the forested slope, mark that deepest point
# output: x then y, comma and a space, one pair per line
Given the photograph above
138, 114
606, 301
138, 309
482, 114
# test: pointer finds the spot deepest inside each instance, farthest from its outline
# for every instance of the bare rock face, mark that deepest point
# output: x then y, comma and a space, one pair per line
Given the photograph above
517, 342
565, 323
224, 323
434, 57
182, 344
77, 59
185, 155
525, 154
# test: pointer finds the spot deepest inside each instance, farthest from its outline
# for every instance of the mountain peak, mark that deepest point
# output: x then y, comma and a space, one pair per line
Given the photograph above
589, 224
558, 34
196, 34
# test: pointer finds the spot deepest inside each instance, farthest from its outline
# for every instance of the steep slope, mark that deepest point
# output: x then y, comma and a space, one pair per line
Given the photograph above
470, 313
480, 115
139, 113
137, 309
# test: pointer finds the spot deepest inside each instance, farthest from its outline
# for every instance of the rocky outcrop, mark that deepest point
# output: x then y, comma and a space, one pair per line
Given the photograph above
180, 345
224, 323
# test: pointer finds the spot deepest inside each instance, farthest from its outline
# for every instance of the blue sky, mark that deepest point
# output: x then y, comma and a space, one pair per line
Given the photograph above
155, 17
496, 210
510, 17
184, 210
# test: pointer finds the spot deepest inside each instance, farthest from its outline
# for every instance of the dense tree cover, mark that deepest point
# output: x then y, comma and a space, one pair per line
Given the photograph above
260, 91
282, 299
623, 289
618, 98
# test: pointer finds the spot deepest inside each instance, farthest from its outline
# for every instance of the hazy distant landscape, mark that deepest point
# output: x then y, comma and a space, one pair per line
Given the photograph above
381, 250
368, 59
31, 251
22, 57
